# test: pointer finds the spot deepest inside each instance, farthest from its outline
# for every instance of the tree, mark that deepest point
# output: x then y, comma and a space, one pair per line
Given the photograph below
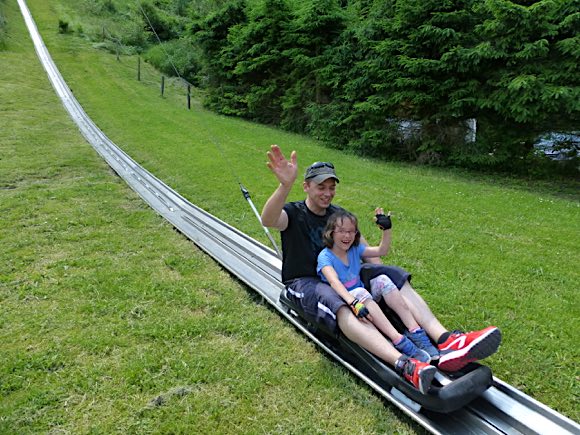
313, 32
347, 120
530, 55
259, 66
352, 72
211, 34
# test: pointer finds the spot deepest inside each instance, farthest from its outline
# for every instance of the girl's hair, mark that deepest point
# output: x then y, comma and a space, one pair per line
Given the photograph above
338, 218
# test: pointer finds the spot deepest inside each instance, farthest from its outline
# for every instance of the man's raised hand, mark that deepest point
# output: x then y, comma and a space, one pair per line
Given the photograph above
285, 170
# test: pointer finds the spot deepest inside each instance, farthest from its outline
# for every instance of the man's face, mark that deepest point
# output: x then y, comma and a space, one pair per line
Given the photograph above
320, 195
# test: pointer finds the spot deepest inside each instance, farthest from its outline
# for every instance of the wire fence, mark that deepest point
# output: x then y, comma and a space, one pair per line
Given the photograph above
146, 73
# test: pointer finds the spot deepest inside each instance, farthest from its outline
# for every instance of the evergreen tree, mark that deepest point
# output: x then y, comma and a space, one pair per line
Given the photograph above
211, 34
156, 19
353, 72
260, 67
313, 33
528, 54
415, 78
346, 120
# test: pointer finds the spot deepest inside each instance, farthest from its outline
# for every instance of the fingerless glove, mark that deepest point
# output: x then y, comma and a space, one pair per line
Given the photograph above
359, 309
384, 221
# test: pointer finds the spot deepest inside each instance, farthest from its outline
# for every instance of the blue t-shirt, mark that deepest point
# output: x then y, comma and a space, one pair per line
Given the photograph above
349, 274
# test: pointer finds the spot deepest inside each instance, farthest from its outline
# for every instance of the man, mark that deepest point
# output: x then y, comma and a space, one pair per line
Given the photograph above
301, 224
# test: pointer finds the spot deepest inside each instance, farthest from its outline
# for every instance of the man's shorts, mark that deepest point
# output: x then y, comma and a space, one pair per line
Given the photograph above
318, 301
398, 275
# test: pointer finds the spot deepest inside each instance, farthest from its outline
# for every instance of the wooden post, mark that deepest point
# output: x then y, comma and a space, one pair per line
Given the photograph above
188, 97
162, 85
139, 68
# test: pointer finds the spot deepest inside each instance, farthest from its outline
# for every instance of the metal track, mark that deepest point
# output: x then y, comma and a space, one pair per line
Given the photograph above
500, 410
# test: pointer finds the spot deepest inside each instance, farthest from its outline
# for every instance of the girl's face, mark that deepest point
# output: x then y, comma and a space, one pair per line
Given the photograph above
344, 234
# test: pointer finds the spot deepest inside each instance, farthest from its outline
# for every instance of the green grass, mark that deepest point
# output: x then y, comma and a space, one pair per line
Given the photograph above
482, 250
112, 322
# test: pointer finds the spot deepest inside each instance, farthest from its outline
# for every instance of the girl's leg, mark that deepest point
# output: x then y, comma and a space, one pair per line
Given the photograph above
395, 301
420, 374
422, 312
382, 285
366, 335
381, 322
402, 343
422, 347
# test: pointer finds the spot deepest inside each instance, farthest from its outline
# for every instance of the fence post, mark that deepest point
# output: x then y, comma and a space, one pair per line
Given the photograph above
139, 68
188, 97
162, 85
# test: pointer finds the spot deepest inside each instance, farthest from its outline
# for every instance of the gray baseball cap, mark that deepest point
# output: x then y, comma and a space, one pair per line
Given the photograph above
318, 172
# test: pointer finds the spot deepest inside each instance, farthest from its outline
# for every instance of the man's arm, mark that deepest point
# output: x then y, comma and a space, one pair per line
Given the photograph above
273, 214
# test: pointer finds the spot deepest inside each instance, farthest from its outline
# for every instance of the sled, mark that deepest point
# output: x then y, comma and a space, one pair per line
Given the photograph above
449, 391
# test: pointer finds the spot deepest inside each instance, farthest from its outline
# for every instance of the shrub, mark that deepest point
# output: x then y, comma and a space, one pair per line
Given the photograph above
63, 27
179, 54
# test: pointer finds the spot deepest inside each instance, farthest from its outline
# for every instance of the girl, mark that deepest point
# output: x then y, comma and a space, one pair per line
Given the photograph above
339, 265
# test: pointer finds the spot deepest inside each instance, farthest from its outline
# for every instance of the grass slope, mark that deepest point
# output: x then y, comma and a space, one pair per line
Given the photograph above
111, 322
482, 249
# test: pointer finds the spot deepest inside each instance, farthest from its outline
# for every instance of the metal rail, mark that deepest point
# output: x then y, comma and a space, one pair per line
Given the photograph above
500, 410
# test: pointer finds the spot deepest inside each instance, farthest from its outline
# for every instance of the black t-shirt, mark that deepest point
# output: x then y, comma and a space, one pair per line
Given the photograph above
302, 240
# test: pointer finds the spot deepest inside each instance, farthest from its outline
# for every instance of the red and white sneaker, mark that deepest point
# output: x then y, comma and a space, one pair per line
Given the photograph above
461, 348
418, 373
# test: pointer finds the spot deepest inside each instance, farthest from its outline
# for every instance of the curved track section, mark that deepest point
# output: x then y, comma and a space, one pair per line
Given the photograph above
500, 410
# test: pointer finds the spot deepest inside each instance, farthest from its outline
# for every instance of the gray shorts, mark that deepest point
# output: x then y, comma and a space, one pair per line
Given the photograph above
318, 301
397, 275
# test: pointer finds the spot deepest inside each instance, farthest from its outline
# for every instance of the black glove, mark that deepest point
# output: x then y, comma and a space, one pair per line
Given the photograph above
384, 221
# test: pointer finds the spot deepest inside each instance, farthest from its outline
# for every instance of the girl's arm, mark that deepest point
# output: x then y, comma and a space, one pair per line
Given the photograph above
385, 245
357, 307
332, 278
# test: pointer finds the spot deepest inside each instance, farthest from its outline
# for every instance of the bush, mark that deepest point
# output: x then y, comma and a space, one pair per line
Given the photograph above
132, 33
179, 53
100, 7
115, 48
63, 27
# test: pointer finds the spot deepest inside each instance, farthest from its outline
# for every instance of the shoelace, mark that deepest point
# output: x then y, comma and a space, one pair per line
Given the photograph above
424, 339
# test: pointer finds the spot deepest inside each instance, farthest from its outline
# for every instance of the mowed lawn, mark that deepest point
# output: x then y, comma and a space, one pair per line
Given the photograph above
114, 321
